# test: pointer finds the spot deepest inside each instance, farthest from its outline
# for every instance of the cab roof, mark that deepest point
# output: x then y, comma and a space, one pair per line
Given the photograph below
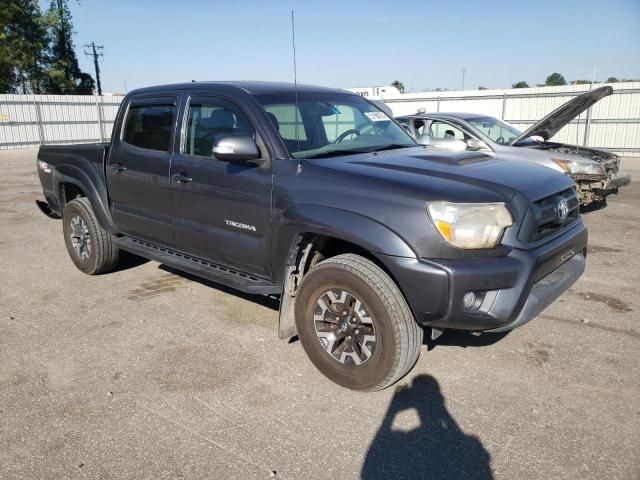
251, 87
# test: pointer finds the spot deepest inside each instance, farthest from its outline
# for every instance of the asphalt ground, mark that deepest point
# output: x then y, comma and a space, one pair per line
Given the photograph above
149, 373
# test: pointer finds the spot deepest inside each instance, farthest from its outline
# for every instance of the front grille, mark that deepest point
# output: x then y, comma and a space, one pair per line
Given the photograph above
544, 215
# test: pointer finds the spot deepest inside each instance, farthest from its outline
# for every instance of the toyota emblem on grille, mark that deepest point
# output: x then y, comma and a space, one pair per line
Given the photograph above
562, 209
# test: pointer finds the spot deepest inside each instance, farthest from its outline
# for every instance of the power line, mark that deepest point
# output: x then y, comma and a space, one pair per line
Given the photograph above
94, 53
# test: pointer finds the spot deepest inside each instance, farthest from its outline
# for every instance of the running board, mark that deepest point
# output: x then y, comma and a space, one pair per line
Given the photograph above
197, 266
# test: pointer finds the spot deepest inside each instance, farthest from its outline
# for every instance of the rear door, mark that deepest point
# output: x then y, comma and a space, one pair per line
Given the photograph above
139, 166
222, 210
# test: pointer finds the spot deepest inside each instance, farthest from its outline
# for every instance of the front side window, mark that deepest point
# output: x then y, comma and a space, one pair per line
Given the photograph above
445, 131
149, 126
210, 120
329, 124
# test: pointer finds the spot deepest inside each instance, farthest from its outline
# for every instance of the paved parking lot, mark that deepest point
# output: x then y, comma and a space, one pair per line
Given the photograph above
148, 373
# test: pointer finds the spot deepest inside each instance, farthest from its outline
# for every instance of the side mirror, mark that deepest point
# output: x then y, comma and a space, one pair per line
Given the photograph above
236, 148
475, 144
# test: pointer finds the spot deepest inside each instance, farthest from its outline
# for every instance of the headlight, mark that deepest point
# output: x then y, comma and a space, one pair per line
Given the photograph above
470, 225
575, 166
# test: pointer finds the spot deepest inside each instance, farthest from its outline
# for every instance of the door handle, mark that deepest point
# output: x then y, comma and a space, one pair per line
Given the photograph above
181, 177
118, 167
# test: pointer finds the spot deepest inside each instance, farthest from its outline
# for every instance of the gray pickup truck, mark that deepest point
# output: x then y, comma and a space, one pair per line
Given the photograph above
317, 196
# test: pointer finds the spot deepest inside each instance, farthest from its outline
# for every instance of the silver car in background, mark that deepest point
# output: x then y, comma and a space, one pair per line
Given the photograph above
594, 171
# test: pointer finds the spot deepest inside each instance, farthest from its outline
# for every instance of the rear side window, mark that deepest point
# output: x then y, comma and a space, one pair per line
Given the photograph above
149, 126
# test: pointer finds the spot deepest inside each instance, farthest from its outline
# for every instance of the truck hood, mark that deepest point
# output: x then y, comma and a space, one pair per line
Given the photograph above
454, 174
556, 120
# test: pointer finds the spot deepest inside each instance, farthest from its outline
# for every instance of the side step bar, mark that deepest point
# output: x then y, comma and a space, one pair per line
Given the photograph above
197, 266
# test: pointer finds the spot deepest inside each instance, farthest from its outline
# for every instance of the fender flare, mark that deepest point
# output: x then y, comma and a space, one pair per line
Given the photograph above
366, 232
94, 188
300, 219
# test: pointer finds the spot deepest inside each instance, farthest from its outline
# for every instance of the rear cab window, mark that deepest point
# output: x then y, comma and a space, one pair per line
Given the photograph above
149, 124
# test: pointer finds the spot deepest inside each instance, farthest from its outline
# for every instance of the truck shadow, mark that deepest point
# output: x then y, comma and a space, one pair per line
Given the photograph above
129, 260
266, 301
436, 449
462, 339
593, 207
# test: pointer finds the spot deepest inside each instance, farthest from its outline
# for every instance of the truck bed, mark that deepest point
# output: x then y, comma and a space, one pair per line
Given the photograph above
57, 161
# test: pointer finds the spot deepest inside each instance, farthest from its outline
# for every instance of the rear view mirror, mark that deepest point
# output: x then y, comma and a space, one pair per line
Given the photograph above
475, 144
236, 148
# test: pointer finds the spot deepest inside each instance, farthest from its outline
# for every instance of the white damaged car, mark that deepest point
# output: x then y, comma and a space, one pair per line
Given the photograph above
594, 171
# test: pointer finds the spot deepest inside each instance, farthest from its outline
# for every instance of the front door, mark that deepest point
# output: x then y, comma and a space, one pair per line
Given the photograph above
222, 210
138, 170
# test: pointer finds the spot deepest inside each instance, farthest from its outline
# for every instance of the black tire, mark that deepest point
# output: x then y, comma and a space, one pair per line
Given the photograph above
397, 336
92, 251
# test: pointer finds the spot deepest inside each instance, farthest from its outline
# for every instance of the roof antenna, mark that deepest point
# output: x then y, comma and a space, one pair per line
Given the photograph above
295, 86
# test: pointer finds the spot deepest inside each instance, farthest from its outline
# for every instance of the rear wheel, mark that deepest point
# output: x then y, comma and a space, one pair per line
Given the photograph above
90, 247
355, 325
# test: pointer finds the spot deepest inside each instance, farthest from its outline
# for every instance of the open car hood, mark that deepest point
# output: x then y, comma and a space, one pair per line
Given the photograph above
561, 116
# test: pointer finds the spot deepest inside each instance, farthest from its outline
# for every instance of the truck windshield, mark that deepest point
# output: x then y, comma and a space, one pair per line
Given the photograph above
331, 124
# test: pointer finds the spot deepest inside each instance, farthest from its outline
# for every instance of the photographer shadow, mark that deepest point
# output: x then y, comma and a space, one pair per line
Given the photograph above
436, 449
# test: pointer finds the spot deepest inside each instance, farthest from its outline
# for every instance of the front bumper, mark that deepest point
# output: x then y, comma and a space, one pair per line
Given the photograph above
597, 189
513, 288
616, 182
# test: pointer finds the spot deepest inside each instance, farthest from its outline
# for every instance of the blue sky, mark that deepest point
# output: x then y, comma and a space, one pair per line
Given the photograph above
425, 44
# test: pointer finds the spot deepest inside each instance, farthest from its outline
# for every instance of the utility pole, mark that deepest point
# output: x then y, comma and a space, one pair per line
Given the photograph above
94, 53
464, 71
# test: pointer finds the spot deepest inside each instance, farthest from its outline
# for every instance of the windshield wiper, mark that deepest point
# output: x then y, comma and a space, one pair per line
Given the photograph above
335, 153
390, 146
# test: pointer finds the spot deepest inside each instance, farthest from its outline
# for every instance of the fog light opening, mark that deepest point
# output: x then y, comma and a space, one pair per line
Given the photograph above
472, 300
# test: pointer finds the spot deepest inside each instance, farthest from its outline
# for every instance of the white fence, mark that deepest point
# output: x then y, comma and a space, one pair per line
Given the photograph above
612, 124
31, 120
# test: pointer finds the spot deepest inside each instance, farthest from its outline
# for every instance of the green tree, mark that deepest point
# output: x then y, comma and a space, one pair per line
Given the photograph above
580, 82
555, 79
612, 80
23, 47
399, 85
64, 74
521, 84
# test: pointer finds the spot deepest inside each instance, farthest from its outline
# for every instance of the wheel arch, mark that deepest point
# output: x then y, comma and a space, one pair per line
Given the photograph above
334, 226
72, 182
311, 234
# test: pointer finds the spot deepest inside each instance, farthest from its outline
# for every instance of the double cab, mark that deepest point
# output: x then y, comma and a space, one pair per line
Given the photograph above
317, 196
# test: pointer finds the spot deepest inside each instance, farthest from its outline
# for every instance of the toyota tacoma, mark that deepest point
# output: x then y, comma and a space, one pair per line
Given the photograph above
319, 197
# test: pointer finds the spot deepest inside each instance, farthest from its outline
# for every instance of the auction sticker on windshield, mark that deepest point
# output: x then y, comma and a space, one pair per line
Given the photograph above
376, 116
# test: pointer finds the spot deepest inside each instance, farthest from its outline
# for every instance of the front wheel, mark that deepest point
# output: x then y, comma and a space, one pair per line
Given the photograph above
90, 247
355, 324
